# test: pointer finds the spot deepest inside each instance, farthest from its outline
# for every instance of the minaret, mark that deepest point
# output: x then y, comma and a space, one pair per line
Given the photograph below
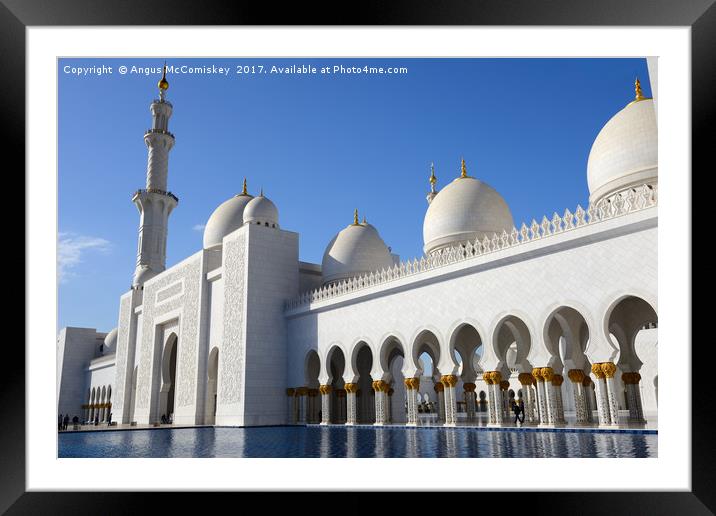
433, 181
155, 203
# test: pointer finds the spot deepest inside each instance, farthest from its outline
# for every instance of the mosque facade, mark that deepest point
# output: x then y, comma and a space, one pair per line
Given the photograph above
559, 313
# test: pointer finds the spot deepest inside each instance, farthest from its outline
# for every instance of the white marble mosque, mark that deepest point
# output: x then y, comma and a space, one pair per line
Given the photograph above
559, 313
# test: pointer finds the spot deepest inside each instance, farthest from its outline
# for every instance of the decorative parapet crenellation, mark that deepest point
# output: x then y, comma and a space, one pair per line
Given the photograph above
623, 203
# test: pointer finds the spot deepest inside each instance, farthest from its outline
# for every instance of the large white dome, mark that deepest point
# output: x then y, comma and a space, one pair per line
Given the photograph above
227, 218
464, 210
624, 154
357, 249
261, 210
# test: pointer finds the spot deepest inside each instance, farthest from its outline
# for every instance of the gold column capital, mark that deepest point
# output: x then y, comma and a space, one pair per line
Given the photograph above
504, 385
351, 387
487, 376
290, 392
525, 378
631, 378
301, 391
341, 393
537, 374
448, 380
547, 373
390, 391
380, 386
557, 380
496, 377
312, 392
412, 383
439, 387
325, 389
469, 387
576, 375
608, 368
597, 371
587, 381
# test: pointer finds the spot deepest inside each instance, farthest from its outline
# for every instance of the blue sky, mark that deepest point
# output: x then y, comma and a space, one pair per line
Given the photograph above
319, 145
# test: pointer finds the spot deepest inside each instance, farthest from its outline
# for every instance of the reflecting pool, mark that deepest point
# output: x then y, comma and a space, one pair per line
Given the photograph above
359, 441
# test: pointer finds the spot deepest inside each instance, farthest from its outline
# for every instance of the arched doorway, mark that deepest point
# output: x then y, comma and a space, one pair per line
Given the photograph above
168, 379
212, 381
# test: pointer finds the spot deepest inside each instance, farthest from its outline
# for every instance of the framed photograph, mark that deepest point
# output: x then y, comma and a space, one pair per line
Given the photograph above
429, 241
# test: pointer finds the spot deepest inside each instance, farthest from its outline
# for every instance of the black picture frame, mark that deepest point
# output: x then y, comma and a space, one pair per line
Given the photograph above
16, 15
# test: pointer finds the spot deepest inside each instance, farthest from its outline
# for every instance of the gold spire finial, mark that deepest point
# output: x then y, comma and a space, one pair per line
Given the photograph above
364, 221
163, 83
637, 89
463, 169
355, 217
261, 194
433, 179
244, 191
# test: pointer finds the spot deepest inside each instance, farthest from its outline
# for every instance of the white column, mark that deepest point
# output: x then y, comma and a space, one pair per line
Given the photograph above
526, 381
440, 393
469, 400
325, 404
487, 377
351, 413
389, 405
380, 388
449, 381
541, 396
302, 405
600, 388
557, 381
411, 392
576, 377
608, 368
636, 412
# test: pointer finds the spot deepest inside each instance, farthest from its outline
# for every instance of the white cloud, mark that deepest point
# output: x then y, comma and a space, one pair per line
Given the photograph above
71, 249
199, 227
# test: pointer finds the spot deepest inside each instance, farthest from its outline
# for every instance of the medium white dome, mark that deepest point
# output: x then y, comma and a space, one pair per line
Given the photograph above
227, 218
357, 249
260, 210
110, 342
464, 210
624, 154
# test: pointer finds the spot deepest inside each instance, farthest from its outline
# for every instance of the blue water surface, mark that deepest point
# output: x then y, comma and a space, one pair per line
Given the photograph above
339, 441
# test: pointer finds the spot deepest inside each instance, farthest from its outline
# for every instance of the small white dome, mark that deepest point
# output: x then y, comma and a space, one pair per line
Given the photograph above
624, 153
357, 249
227, 218
110, 342
260, 210
465, 209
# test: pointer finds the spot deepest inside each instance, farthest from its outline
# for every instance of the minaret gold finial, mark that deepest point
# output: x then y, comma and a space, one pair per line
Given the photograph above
355, 217
463, 169
433, 179
244, 191
364, 221
637, 89
163, 84
261, 194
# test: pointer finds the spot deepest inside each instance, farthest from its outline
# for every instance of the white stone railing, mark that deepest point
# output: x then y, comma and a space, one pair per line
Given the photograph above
632, 200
